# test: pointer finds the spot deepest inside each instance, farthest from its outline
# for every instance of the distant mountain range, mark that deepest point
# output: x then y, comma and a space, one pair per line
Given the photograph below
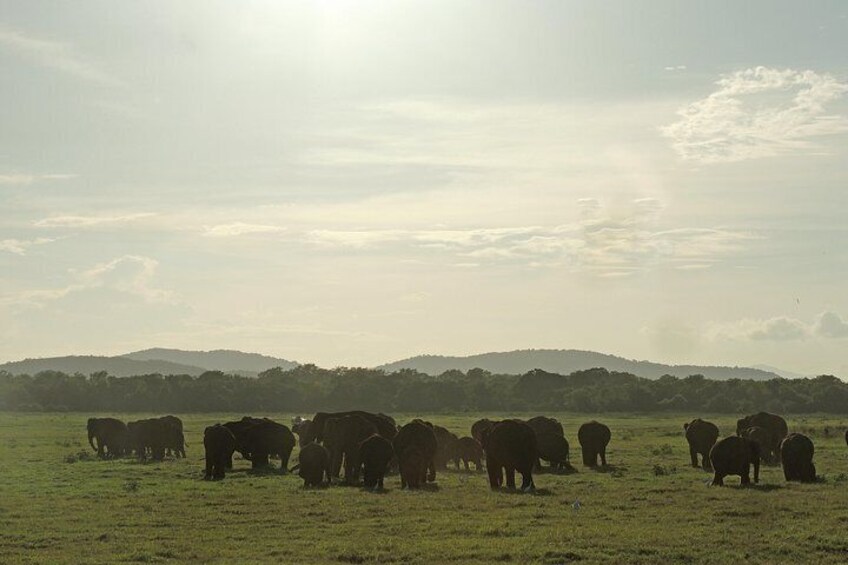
562, 361
227, 360
151, 361
565, 361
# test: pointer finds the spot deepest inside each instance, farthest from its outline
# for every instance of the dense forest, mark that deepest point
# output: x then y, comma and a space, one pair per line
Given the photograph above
308, 388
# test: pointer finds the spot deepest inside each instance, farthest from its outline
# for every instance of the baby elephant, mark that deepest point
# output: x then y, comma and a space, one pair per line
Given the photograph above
734, 455
313, 464
796, 455
219, 443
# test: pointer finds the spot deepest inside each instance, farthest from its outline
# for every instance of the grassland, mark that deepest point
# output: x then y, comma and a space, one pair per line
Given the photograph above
59, 505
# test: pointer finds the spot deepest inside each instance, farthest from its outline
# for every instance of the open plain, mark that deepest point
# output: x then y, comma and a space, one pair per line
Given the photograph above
59, 504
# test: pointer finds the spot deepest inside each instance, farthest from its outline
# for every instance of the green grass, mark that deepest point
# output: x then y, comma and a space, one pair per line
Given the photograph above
60, 505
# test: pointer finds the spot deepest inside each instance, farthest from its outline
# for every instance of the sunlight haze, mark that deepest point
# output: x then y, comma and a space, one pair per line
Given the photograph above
351, 183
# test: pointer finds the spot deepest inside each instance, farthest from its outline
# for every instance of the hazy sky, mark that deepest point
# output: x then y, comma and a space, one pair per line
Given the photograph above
350, 183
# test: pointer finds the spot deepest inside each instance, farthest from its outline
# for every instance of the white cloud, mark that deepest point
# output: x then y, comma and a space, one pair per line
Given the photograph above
782, 328
29, 178
20, 246
130, 274
831, 324
55, 55
605, 243
240, 228
89, 221
758, 112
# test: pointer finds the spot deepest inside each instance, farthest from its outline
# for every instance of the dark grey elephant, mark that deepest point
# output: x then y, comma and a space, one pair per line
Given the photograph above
735, 455
701, 436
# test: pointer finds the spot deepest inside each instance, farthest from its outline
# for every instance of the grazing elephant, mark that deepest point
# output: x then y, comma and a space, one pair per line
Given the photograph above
385, 425
479, 427
594, 438
701, 436
734, 455
796, 455
415, 447
175, 438
762, 438
553, 448
107, 436
510, 446
342, 437
259, 438
773, 424
303, 429
219, 444
375, 453
445, 447
468, 450
313, 465
150, 437
544, 425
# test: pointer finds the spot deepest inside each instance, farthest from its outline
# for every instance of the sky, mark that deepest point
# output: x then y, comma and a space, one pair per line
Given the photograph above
351, 183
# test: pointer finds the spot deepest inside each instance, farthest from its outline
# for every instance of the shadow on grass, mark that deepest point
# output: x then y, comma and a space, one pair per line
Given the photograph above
614, 470
518, 491
569, 470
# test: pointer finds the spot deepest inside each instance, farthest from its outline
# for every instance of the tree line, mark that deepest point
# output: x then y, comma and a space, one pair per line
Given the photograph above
308, 388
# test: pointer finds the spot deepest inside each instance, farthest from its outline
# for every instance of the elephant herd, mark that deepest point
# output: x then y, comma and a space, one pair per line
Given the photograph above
152, 438
358, 445
760, 437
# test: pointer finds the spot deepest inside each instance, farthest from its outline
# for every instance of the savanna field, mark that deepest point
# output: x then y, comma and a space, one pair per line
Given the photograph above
59, 504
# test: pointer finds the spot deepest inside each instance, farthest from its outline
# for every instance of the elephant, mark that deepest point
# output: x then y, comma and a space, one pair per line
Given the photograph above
553, 448
175, 438
107, 436
342, 437
762, 438
846, 437
701, 436
594, 438
415, 447
468, 450
796, 455
385, 424
313, 465
375, 453
734, 455
445, 446
510, 446
150, 437
219, 444
545, 425
773, 424
259, 438
479, 427
303, 429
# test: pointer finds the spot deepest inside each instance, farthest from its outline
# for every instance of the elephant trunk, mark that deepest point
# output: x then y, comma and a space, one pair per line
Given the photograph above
91, 439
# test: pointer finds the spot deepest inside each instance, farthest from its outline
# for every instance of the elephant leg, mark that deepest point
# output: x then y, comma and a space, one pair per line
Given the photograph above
694, 456
209, 459
604, 456
494, 476
718, 480
527, 484
746, 476
510, 477
465, 462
